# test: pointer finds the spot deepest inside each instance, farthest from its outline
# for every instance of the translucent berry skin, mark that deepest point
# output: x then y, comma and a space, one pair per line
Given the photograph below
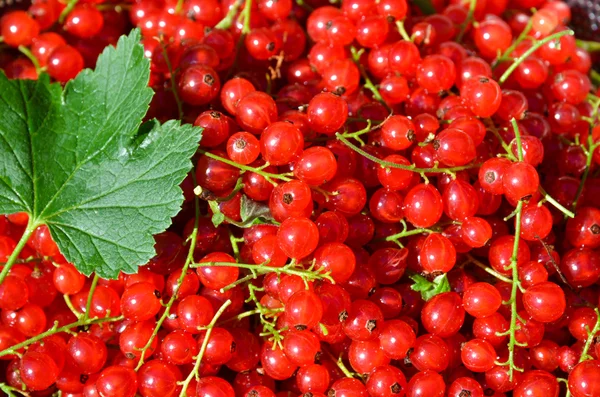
436, 73
281, 143
481, 300
140, 302
443, 315
426, 383
117, 381
64, 63
520, 180
316, 166
482, 94
18, 28
213, 386
438, 254
584, 229
256, 111
423, 205
327, 113
298, 237
584, 379
88, 352
199, 85
84, 21
38, 370
545, 302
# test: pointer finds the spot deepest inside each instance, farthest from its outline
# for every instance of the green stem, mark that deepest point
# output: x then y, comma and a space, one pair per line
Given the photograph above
228, 20
468, 20
56, 330
188, 260
589, 46
406, 233
194, 372
506, 56
70, 5
513, 296
71, 307
402, 30
588, 165
590, 339
530, 51
555, 203
88, 305
29, 229
25, 51
264, 268
10, 391
413, 168
356, 54
518, 139
172, 79
488, 269
267, 175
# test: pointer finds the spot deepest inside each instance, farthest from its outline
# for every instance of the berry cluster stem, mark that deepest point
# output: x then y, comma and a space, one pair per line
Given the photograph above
55, 329
267, 175
189, 259
88, 304
257, 270
195, 371
29, 229
468, 20
530, 51
405, 233
588, 344
356, 54
413, 168
487, 269
512, 342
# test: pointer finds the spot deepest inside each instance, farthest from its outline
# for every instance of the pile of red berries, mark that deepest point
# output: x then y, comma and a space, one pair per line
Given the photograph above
389, 199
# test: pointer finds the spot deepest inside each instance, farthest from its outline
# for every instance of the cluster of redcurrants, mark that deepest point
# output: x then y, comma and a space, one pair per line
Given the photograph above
414, 178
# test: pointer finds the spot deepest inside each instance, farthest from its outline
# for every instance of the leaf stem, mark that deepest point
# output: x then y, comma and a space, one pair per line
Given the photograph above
56, 330
530, 51
194, 372
29, 229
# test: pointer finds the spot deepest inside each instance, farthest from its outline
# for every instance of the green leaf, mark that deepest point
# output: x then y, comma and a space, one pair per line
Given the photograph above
79, 160
429, 289
252, 211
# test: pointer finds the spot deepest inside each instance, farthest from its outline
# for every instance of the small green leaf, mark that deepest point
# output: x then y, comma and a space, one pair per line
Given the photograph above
80, 161
218, 217
429, 289
251, 210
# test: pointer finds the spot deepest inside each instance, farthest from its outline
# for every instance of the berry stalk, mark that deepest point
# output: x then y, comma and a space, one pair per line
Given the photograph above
194, 373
